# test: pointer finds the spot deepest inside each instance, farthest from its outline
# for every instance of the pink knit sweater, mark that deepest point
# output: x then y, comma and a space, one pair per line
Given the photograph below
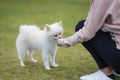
103, 15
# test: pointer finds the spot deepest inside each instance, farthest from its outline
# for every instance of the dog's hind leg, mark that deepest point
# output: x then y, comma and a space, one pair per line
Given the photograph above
30, 54
21, 54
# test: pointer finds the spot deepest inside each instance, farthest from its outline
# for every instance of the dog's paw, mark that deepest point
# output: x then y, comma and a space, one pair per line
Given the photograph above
23, 65
34, 60
55, 65
48, 68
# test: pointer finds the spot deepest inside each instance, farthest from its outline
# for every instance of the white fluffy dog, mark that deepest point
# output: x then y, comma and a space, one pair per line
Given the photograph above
31, 38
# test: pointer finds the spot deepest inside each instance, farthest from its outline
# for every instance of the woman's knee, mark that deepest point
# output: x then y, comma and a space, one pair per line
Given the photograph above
79, 25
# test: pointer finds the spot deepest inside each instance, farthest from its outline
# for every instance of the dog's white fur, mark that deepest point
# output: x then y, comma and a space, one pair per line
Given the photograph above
31, 38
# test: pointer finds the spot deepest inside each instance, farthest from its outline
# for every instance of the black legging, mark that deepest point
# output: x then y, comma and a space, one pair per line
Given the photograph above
102, 48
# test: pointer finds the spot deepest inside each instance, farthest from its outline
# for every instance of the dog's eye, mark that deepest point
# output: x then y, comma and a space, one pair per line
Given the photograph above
55, 35
59, 33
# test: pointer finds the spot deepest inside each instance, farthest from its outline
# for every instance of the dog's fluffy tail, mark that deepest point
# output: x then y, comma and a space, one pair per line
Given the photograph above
28, 28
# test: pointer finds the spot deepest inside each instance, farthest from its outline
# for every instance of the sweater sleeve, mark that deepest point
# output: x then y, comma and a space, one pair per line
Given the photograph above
96, 18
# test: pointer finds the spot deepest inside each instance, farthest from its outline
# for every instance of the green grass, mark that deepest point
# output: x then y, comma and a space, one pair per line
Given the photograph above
73, 62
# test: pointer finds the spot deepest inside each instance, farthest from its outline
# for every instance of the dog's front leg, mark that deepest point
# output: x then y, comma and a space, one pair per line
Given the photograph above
52, 58
45, 57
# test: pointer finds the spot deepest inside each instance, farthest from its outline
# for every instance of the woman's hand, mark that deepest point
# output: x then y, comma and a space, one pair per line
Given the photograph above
60, 42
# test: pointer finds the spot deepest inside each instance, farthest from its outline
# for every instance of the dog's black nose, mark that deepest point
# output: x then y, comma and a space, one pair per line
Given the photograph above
59, 37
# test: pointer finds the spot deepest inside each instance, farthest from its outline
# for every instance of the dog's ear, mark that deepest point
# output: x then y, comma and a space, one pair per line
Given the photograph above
60, 22
47, 27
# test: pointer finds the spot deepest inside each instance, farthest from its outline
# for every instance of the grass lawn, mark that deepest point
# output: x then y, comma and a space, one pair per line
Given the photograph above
73, 62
